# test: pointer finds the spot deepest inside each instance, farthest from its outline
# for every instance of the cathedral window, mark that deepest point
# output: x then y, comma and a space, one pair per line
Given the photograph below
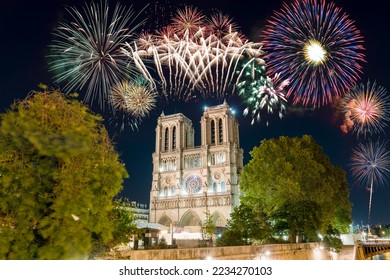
223, 186
185, 139
220, 158
166, 139
212, 132
192, 161
220, 135
173, 190
174, 138
214, 187
212, 159
168, 164
193, 184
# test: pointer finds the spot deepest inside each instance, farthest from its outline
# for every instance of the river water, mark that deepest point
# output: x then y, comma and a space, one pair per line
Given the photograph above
385, 256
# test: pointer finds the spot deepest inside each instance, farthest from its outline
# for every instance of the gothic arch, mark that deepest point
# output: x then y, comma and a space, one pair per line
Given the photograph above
165, 220
173, 190
174, 138
166, 139
190, 219
212, 132
165, 191
223, 186
212, 187
218, 219
220, 131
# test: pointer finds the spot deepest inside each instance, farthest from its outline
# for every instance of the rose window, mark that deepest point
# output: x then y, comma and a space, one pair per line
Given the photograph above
193, 184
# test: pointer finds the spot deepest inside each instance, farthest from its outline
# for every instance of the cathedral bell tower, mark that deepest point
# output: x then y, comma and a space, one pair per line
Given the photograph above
190, 181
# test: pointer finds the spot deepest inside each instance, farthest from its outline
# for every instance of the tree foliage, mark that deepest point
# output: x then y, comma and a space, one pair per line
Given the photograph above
246, 225
59, 173
208, 228
297, 187
124, 228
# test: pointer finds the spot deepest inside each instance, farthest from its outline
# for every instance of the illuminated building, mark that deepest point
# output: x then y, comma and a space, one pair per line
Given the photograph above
190, 181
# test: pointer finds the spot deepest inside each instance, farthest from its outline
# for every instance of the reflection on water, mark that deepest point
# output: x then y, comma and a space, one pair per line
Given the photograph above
385, 256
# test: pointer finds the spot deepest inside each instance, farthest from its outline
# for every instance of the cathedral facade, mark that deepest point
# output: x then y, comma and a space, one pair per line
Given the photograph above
190, 181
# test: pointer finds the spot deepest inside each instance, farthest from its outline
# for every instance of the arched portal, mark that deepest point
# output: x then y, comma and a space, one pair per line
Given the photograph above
218, 219
165, 220
190, 219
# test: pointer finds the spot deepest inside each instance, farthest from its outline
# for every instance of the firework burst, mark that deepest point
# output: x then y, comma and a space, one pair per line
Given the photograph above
196, 56
370, 165
221, 25
136, 98
261, 93
187, 21
317, 47
86, 52
366, 109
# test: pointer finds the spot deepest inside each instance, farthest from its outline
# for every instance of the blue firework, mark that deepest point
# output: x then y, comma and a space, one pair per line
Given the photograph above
315, 46
370, 165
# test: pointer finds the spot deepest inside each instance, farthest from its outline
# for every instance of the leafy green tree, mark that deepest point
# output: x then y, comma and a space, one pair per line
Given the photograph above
59, 173
332, 240
297, 187
124, 228
208, 227
163, 244
247, 224
231, 237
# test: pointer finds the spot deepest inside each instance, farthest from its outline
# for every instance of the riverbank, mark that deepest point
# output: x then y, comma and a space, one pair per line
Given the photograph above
294, 251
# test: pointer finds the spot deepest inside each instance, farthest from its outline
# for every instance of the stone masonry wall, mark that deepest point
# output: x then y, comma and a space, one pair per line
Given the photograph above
299, 251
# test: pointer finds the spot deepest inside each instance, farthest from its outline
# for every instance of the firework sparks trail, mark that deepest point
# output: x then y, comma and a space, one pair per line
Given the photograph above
315, 46
370, 164
191, 57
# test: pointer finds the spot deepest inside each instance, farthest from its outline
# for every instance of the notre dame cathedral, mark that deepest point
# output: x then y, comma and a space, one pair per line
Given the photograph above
190, 181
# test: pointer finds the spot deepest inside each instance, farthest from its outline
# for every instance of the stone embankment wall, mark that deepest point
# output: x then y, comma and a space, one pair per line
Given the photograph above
299, 251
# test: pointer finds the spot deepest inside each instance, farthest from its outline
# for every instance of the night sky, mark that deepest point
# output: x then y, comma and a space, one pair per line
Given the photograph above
26, 28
